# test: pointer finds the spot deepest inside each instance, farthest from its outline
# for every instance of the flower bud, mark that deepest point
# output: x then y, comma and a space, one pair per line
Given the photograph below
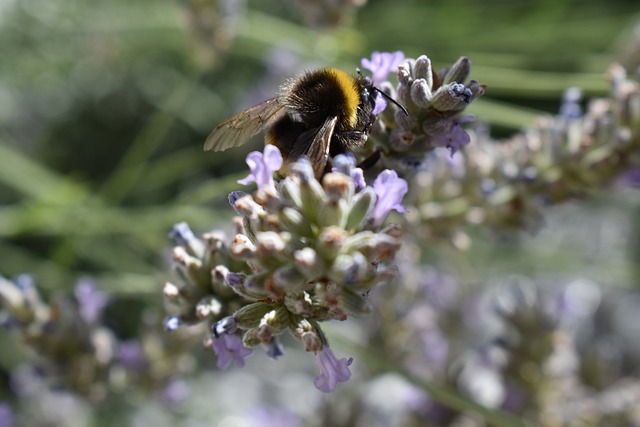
422, 70
269, 243
338, 186
405, 122
330, 241
187, 267
293, 221
333, 213
245, 205
404, 74
218, 275
242, 248
303, 169
363, 204
421, 93
208, 307
183, 235
458, 71
290, 191
312, 196
299, 303
214, 241
404, 98
170, 291
225, 326
307, 262
451, 97
171, 323
250, 315
401, 140
312, 342
349, 269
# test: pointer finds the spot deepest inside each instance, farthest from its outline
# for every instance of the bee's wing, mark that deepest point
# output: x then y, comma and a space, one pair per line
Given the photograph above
317, 151
238, 129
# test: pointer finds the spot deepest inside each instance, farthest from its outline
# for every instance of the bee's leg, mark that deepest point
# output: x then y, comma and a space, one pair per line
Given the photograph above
371, 159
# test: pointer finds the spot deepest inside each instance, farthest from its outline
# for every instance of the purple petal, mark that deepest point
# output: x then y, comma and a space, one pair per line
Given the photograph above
333, 370
175, 392
91, 300
6, 415
358, 178
346, 164
381, 104
272, 157
454, 137
181, 233
390, 190
229, 348
381, 64
263, 166
131, 354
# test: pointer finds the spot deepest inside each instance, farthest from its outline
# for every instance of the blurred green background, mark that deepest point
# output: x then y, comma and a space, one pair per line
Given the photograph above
104, 105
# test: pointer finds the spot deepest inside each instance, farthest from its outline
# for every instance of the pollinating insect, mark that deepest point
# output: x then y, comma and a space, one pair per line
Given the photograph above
318, 115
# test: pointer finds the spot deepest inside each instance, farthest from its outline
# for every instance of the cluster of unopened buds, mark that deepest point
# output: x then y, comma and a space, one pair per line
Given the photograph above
305, 252
434, 103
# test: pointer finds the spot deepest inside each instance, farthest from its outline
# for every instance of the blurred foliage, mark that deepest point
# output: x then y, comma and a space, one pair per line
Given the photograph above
104, 106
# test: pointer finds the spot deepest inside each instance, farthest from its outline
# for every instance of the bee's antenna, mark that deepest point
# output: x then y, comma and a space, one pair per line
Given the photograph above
392, 100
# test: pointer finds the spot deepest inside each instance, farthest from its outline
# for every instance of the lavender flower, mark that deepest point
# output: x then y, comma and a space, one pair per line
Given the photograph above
381, 64
175, 392
6, 415
131, 354
380, 105
390, 189
91, 300
570, 107
229, 348
453, 137
263, 166
333, 370
181, 233
227, 325
346, 164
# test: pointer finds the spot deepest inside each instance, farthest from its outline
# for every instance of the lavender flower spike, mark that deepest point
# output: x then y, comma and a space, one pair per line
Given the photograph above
381, 64
390, 190
229, 348
263, 166
333, 370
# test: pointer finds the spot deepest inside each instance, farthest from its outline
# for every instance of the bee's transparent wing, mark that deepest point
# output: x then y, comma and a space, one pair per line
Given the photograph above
238, 129
317, 149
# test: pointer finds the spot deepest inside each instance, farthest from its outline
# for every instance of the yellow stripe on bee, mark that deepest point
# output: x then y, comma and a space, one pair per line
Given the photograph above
350, 91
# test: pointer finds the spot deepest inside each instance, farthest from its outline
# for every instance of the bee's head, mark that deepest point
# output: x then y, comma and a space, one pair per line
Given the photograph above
369, 90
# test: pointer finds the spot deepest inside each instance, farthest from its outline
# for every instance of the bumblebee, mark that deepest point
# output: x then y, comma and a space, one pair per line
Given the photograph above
318, 115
